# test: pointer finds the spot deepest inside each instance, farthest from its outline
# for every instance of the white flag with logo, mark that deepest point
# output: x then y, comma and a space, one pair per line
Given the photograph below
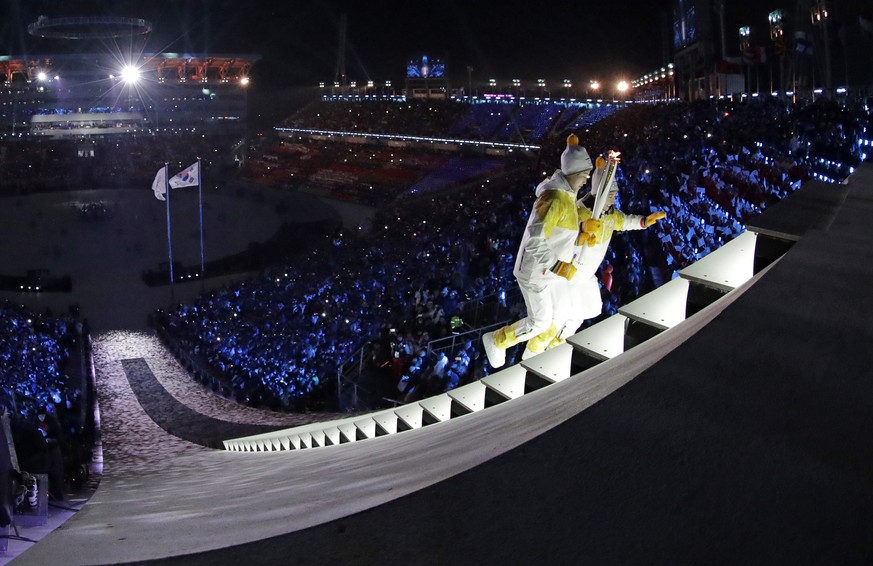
159, 185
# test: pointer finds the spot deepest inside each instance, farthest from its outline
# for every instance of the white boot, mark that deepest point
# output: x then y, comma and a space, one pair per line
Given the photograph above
527, 354
496, 355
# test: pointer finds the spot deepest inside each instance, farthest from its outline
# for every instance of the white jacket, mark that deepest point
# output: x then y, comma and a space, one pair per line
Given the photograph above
551, 231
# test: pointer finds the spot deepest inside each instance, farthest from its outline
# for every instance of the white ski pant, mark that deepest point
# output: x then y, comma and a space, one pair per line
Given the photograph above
540, 305
578, 301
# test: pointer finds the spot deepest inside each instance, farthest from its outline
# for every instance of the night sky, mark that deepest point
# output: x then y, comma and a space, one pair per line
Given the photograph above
298, 40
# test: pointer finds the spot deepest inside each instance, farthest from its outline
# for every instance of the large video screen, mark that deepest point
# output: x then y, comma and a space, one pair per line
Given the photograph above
684, 23
424, 67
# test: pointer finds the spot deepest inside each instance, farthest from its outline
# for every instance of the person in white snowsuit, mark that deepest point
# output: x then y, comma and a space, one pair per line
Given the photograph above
545, 255
583, 290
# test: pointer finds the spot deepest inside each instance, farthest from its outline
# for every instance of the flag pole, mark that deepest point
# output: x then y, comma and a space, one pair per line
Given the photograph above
200, 202
169, 234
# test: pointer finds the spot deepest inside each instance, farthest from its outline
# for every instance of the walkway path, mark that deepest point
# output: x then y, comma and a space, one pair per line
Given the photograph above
143, 392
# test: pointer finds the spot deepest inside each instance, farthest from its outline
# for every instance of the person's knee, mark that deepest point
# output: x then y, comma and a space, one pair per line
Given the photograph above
539, 325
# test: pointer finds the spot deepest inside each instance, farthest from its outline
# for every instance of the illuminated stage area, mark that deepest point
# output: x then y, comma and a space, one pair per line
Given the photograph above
87, 95
739, 434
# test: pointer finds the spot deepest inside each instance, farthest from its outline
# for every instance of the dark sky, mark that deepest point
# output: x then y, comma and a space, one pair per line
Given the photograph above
298, 40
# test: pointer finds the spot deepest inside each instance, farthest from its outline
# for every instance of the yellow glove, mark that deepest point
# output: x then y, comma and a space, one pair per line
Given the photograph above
564, 269
588, 234
591, 225
654, 217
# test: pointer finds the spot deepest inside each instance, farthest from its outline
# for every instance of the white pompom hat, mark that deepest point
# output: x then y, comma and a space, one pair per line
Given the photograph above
575, 158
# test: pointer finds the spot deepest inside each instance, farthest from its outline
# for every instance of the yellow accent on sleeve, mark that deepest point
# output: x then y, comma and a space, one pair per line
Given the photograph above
555, 209
619, 220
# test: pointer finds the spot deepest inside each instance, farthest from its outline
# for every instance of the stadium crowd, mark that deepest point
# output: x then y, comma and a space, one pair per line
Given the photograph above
37, 164
372, 175
709, 165
280, 335
434, 255
415, 117
526, 121
40, 370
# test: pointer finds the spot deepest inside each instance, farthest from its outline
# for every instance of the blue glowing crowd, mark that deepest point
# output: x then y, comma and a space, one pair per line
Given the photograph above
41, 378
427, 268
33, 357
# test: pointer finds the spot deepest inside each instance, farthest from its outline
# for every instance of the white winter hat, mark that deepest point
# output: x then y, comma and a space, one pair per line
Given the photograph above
575, 158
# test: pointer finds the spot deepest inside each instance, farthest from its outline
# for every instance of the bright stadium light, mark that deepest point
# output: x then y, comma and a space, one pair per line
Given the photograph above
244, 81
130, 74
622, 86
41, 76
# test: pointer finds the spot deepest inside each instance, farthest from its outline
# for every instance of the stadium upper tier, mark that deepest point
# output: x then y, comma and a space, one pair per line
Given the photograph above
91, 94
523, 122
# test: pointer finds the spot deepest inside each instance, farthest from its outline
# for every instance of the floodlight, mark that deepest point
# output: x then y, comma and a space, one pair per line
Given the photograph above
130, 74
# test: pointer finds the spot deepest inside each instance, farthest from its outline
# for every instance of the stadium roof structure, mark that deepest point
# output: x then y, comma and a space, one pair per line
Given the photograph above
198, 67
183, 66
88, 27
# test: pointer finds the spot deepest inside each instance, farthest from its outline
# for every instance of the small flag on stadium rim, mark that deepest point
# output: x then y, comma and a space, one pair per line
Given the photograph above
188, 177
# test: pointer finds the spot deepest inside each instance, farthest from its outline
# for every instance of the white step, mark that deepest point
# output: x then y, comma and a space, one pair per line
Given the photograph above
552, 365
728, 267
603, 340
663, 308
508, 382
